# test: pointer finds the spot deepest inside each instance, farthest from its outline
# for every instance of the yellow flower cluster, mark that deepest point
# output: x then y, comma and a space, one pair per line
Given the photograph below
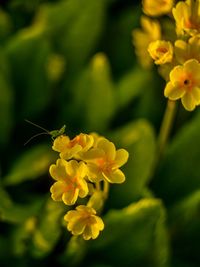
178, 59
85, 162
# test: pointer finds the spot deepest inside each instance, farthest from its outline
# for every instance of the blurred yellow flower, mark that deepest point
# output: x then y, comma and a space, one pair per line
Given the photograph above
71, 148
187, 50
104, 161
83, 221
187, 17
70, 183
184, 84
143, 37
157, 7
161, 51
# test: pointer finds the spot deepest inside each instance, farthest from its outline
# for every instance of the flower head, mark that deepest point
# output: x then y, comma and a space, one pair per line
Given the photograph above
104, 161
157, 7
83, 221
71, 148
143, 37
184, 84
161, 51
187, 50
187, 17
70, 183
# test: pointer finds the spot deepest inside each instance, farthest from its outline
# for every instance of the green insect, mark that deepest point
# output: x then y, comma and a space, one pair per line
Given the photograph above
53, 134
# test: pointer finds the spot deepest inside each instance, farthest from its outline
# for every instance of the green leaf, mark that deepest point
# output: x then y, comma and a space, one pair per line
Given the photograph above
16, 213
48, 229
132, 85
6, 101
179, 173
184, 223
139, 140
74, 26
5, 24
31, 165
93, 92
135, 235
29, 52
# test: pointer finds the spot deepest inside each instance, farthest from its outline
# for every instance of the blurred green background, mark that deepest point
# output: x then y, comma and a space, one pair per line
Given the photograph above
72, 62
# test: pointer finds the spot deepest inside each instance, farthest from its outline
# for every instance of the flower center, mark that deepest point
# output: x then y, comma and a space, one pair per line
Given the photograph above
187, 81
162, 50
105, 165
77, 140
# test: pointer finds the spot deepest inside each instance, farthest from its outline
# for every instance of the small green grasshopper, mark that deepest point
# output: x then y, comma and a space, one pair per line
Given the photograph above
53, 134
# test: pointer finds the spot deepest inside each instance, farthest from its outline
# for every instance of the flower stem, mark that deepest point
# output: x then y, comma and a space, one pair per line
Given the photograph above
165, 129
105, 189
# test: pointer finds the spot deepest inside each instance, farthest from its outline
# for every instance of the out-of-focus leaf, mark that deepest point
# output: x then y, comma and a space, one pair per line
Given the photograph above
132, 85
6, 101
74, 26
93, 101
28, 52
135, 235
5, 24
48, 229
118, 32
139, 140
75, 251
31, 165
16, 213
179, 173
185, 227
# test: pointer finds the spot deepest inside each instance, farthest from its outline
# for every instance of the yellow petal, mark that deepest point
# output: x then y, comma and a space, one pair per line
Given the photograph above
60, 143
108, 147
94, 173
193, 66
196, 94
82, 170
115, 177
83, 187
188, 102
72, 167
78, 227
99, 223
87, 234
121, 157
71, 152
181, 51
70, 197
173, 93
71, 215
176, 73
57, 191
58, 171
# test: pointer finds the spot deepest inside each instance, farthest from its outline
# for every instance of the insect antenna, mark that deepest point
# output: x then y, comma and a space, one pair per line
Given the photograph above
34, 137
38, 126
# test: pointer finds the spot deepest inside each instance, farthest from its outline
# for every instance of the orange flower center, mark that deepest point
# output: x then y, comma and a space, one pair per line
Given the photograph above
187, 82
162, 50
191, 24
76, 140
105, 165
72, 185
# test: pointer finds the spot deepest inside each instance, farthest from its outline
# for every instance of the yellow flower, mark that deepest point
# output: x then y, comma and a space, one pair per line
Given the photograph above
104, 161
83, 221
143, 37
187, 17
71, 148
70, 183
161, 51
157, 7
187, 50
184, 84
